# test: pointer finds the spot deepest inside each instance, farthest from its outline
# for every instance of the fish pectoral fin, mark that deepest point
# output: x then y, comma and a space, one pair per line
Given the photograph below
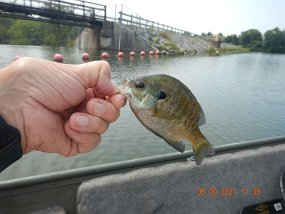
178, 145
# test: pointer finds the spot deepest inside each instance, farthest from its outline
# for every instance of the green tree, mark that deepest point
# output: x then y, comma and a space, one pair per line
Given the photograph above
274, 41
251, 39
24, 32
233, 39
5, 24
57, 35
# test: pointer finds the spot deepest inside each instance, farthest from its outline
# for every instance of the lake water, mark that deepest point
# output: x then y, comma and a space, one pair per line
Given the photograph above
242, 96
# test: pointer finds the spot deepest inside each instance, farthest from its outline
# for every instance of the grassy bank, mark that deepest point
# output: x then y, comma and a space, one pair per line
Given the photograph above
212, 51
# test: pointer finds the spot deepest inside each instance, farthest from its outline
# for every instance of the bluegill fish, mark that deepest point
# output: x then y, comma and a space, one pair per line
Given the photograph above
165, 106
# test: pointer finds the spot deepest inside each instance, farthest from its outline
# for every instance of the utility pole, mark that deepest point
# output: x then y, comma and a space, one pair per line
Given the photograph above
120, 23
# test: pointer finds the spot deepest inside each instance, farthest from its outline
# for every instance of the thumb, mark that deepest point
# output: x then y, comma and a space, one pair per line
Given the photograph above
97, 75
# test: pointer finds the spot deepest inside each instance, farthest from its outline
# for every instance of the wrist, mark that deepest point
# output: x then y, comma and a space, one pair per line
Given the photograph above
10, 145
10, 106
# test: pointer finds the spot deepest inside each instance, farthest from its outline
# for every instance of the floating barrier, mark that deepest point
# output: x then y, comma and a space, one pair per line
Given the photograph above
150, 53
120, 54
58, 58
157, 53
132, 53
105, 55
85, 57
142, 53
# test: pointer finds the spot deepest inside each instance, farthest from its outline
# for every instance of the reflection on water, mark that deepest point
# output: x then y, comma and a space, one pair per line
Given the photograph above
242, 97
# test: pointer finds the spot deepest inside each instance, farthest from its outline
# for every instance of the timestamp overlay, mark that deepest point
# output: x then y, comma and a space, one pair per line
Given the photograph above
229, 191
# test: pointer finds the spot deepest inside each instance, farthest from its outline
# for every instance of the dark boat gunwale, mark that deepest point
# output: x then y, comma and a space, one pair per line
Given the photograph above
79, 175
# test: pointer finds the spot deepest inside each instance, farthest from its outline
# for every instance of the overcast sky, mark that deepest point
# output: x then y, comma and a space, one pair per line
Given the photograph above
202, 16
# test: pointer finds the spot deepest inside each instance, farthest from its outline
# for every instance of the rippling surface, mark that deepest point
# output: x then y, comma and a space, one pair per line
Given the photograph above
242, 96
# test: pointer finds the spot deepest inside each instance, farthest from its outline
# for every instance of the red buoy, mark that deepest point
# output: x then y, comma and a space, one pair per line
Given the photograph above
142, 53
58, 58
105, 55
132, 53
120, 54
157, 53
150, 53
85, 57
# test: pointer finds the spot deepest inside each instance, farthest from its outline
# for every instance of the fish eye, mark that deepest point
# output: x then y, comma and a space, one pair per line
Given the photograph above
161, 95
139, 84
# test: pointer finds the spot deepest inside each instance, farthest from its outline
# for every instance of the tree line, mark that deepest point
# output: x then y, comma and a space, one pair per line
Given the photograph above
26, 32
273, 41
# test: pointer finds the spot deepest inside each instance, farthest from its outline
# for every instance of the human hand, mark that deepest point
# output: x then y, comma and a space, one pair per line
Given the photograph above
58, 108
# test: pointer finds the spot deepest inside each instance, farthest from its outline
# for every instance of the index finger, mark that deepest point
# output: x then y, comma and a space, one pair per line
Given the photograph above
118, 100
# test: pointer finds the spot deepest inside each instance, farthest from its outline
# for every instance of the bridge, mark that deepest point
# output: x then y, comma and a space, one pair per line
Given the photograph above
100, 31
76, 13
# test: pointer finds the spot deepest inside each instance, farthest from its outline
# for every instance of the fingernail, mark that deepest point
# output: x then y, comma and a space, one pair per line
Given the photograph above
82, 120
99, 108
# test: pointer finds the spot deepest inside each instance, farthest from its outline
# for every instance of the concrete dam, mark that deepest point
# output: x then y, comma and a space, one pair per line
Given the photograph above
113, 36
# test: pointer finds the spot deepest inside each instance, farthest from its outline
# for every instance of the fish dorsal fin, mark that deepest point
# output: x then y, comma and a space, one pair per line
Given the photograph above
202, 117
178, 145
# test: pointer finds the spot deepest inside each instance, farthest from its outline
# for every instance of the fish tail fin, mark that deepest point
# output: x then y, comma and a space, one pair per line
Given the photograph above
202, 148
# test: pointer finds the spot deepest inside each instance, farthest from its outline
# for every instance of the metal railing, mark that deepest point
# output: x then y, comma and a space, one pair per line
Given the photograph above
72, 10
76, 12
138, 21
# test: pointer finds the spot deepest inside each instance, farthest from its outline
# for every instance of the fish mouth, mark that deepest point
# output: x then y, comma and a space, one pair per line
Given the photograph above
124, 88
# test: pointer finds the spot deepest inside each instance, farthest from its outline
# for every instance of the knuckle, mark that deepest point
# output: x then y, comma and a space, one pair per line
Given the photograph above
90, 143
